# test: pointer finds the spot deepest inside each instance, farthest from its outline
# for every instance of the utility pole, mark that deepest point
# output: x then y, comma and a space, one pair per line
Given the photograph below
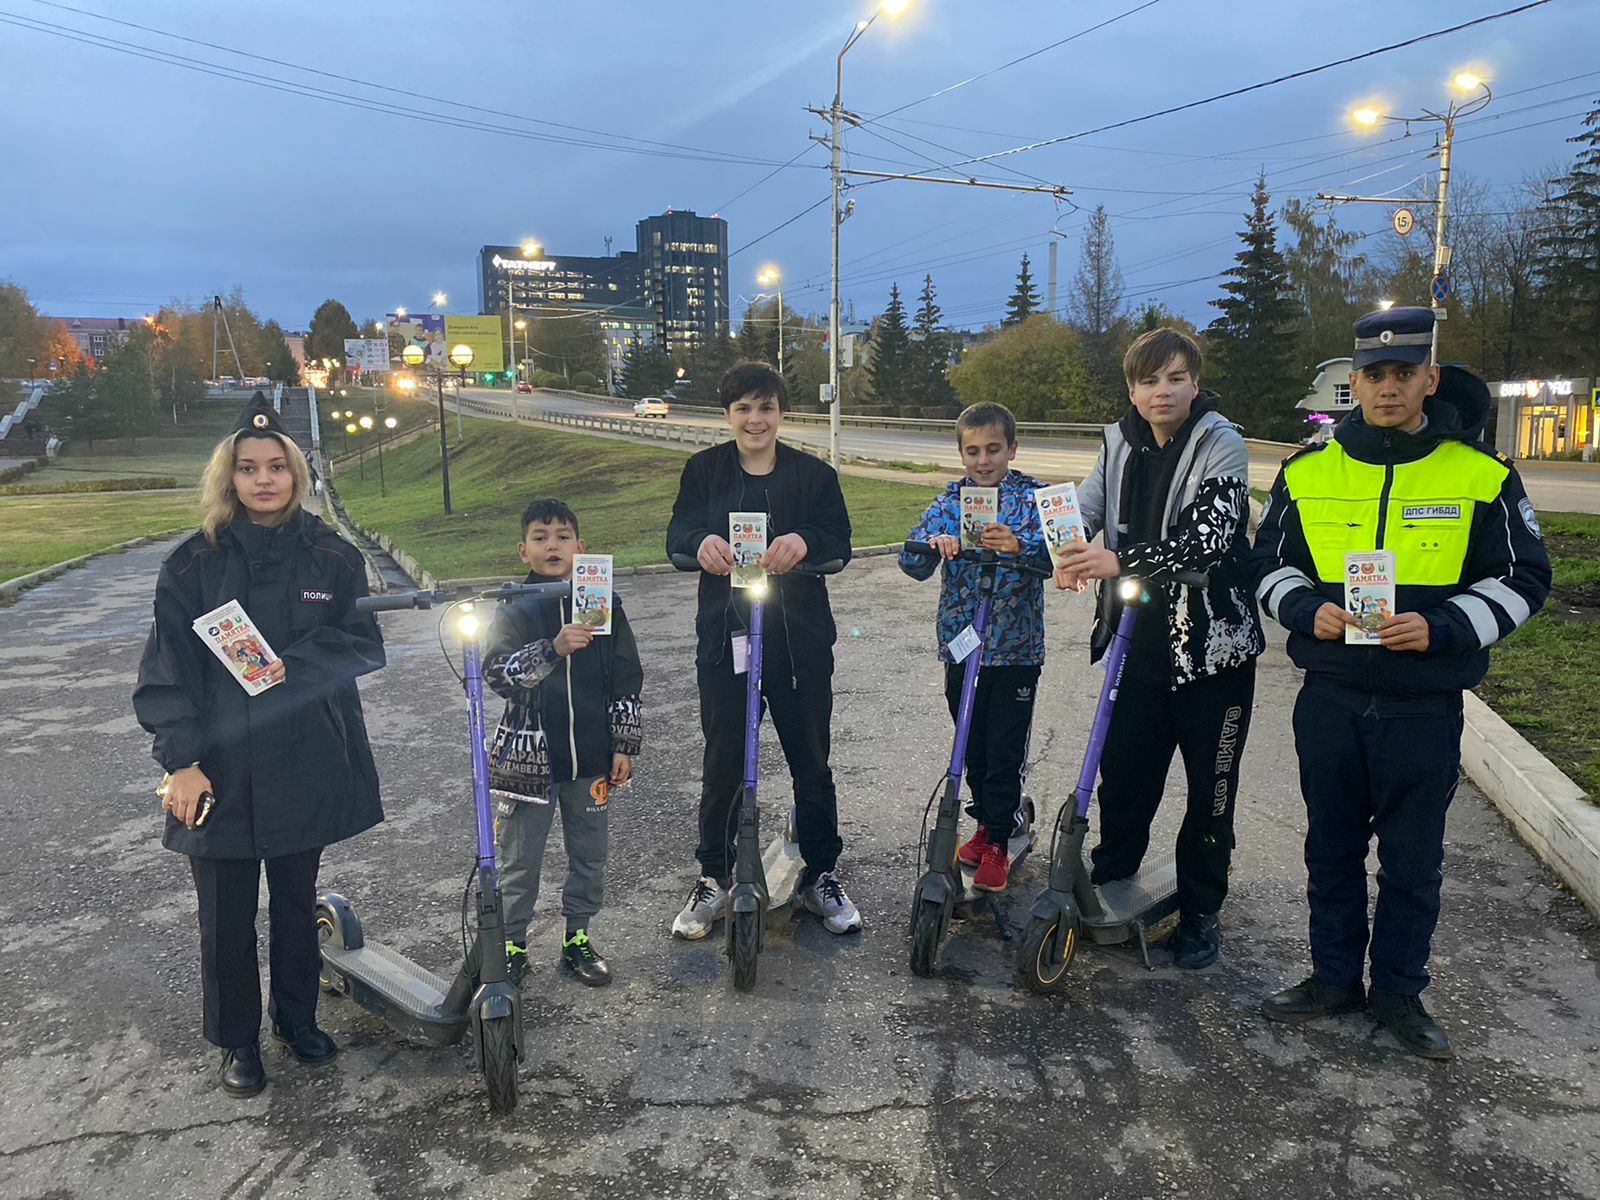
1050, 281
218, 313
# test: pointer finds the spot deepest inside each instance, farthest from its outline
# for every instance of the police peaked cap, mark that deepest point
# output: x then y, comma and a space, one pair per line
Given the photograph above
1403, 333
258, 417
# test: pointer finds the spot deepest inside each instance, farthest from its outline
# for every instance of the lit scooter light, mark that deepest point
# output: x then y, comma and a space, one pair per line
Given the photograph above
467, 623
1129, 589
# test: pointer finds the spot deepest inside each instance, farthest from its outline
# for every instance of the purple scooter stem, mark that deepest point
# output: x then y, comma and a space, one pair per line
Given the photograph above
752, 704
472, 669
1116, 656
969, 692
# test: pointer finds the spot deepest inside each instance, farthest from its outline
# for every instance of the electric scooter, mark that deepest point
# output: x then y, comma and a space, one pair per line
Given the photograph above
1111, 913
411, 998
761, 883
945, 888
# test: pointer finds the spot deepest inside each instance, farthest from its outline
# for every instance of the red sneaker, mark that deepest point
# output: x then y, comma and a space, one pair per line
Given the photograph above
971, 851
993, 870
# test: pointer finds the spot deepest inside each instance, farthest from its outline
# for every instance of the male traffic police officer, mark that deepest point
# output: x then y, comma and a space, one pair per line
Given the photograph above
1378, 728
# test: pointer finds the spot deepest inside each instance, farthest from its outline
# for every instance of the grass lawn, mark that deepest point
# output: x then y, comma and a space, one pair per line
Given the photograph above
182, 453
1545, 678
44, 531
622, 494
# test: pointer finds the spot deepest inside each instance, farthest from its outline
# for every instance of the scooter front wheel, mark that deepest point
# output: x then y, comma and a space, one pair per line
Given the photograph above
927, 932
1042, 963
745, 948
500, 1063
341, 929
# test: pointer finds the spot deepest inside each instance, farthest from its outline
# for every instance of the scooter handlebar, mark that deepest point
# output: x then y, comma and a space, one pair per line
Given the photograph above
1012, 562
392, 601
688, 562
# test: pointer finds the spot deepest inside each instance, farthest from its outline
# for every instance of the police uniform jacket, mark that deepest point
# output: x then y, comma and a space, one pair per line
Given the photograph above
291, 768
1468, 551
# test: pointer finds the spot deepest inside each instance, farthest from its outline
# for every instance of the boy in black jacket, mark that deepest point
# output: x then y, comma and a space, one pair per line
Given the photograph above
806, 520
569, 734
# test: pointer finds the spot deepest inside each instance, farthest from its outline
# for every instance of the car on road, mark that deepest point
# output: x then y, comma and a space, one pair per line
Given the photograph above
650, 406
524, 386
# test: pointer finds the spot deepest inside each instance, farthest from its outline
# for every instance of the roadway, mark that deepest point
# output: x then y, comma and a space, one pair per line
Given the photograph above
841, 1074
1553, 487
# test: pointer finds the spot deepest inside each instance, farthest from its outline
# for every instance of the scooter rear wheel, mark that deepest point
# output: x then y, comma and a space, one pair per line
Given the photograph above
500, 1063
330, 928
1041, 968
746, 948
927, 930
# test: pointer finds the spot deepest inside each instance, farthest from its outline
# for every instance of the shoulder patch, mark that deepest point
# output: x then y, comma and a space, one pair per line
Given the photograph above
1525, 507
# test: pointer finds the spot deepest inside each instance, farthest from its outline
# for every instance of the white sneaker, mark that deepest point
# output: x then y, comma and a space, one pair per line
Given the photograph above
707, 900
826, 898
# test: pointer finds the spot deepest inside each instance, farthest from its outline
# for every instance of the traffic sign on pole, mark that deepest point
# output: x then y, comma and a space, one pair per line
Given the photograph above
1440, 287
1404, 221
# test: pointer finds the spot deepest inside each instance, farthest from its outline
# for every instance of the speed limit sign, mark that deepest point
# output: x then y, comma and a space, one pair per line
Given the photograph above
1404, 221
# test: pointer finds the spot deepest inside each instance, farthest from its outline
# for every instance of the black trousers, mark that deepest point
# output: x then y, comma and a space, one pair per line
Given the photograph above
997, 744
230, 976
1207, 721
802, 711
1392, 777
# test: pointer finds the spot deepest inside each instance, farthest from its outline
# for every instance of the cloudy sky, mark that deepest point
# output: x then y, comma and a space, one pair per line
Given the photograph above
302, 149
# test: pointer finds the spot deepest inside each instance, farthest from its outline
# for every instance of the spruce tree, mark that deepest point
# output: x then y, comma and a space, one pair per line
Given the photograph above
1024, 301
1253, 342
750, 339
930, 354
891, 352
1569, 255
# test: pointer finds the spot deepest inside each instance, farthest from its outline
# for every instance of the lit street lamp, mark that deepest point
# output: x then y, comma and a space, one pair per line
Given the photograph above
388, 423
439, 299
836, 116
461, 356
1477, 96
414, 355
350, 428
770, 277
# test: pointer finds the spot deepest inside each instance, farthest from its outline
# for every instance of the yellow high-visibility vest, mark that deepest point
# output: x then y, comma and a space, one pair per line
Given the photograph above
1421, 510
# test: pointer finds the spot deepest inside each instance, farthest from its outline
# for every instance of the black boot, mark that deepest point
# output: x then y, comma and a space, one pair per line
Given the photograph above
579, 956
1405, 1017
1311, 999
1196, 942
306, 1042
243, 1075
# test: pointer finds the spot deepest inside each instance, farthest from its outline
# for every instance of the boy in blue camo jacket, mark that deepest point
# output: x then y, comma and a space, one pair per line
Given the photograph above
1013, 652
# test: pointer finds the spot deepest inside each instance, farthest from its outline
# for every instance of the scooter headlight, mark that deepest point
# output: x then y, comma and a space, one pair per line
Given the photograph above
467, 622
1130, 589
758, 589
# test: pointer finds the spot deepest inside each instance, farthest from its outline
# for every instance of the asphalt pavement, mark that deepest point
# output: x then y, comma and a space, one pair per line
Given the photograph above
1554, 487
841, 1075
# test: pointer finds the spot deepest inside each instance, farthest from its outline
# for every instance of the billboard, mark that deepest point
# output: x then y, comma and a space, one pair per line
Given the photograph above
367, 354
421, 329
486, 336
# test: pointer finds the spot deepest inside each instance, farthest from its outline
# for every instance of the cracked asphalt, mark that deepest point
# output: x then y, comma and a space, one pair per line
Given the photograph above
841, 1074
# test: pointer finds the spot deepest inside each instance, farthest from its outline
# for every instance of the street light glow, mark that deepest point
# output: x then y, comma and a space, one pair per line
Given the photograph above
1385, 305
895, 7
390, 422
1366, 115
414, 354
521, 324
461, 355
350, 428
439, 299
1467, 81
769, 276
530, 248
365, 423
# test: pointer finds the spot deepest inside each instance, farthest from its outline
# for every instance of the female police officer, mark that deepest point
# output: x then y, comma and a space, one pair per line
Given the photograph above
273, 777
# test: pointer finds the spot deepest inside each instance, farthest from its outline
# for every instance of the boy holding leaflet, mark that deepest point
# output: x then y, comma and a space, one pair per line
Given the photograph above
1013, 651
1170, 492
569, 734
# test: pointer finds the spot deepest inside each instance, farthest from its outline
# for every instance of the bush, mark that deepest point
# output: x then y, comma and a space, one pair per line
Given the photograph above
137, 483
871, 410
18, 472
585, 381
547, 379
937, 412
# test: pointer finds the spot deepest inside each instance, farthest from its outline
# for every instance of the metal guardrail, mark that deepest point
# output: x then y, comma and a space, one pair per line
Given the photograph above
665, 431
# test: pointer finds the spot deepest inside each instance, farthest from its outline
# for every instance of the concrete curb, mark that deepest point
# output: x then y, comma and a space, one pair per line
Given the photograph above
1548, 811
10, 588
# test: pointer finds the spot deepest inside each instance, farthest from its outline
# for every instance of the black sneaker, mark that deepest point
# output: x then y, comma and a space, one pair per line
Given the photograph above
516, 962
243, 1075
579, 956
1313, 998
1196, 942
1405, 1017
307, 1043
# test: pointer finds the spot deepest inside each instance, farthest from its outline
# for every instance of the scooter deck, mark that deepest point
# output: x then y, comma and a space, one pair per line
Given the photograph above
393, 985
1017, 849
1131, 906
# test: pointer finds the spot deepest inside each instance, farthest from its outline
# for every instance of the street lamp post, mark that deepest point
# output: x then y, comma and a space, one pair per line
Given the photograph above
361, 452
414, 355
388, 423
836, 116
1478, 95
770, 277
461, 355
